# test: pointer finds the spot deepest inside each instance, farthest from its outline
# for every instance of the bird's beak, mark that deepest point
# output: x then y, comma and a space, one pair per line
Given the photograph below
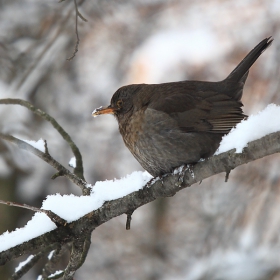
101, 111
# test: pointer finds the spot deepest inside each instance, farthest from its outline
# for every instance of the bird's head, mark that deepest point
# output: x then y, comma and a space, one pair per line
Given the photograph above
122, 103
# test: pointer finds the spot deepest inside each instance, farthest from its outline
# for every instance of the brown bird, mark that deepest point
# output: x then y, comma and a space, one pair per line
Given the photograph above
167, 125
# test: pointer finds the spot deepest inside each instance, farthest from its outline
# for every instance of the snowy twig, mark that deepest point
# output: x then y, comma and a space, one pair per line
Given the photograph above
79, 162
53, 258
55, 218
28, 265
50, 160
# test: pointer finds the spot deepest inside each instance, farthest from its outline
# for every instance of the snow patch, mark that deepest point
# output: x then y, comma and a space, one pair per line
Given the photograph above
39, 145
72, 162
255, 127
71, 207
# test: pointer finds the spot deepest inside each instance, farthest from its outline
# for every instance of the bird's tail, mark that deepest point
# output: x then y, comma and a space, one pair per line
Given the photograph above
243, 67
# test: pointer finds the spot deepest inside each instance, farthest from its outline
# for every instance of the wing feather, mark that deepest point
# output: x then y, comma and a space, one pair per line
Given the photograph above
206, 111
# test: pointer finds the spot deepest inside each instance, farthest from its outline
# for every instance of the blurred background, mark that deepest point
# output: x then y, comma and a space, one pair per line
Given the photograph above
214, 230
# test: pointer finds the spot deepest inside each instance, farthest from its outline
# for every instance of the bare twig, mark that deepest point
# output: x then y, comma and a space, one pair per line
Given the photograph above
81, 16
227, 174
46, 147
128, 219
51, 161
55, 218
78, 170
77, 32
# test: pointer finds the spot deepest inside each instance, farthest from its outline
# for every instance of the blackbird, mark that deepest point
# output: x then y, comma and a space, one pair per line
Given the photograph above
171, 124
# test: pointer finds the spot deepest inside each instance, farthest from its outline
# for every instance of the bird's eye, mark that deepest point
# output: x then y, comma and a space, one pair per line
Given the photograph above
119, 103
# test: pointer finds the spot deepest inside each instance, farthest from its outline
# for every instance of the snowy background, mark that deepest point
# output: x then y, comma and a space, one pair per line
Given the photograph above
140, 42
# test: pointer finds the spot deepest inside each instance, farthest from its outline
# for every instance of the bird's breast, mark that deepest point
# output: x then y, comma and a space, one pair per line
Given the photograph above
131, 129
149, 137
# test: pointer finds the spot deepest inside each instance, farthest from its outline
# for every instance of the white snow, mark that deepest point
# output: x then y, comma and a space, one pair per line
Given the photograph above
255, 127
72, 162
181, 168
71, 207
56, 273
21, 264
39, 224
39, 145
51, 254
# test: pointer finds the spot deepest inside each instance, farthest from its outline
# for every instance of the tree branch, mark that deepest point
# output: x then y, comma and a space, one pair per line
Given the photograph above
78, 255
50, 160
25, 268
79, 170
53, 258
55, 218
78, 15
164, 187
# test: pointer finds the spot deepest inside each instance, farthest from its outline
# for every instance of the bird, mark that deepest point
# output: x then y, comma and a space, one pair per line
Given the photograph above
172, 124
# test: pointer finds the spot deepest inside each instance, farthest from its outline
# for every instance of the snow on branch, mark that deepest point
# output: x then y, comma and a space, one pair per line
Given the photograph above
169, 185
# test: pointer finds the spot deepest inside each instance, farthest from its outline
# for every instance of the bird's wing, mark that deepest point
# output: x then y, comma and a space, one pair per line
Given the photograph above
205, 111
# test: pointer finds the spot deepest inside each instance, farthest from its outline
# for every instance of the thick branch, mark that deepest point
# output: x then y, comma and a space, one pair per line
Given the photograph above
78, 255
167, 186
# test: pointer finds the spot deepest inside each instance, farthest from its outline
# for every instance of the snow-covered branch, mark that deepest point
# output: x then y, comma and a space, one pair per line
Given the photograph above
169, 185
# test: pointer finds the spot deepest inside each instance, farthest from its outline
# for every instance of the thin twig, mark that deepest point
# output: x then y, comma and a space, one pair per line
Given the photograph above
55, 218
77, 34
50, 160
227, 174
77, 15
50, 265
128, 219
78, 170
81, 16
25, 268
